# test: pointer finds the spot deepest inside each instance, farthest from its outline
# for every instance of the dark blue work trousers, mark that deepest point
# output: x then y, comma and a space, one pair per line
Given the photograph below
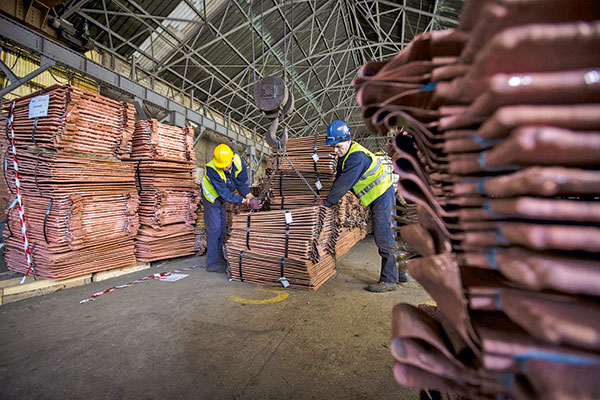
381, 209
215, 222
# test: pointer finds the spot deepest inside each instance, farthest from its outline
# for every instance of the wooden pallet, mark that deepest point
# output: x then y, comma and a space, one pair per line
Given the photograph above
11, 290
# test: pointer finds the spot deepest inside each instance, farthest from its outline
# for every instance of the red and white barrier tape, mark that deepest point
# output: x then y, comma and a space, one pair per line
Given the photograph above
146, 278
26, 247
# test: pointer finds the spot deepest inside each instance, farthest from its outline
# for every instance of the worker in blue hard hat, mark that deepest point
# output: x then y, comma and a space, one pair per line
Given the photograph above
225, 173
361, 171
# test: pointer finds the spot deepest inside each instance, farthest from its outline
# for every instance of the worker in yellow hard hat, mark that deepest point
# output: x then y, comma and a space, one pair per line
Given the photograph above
225, 173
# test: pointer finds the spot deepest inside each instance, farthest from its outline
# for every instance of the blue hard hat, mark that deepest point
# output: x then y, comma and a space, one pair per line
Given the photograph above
337, 131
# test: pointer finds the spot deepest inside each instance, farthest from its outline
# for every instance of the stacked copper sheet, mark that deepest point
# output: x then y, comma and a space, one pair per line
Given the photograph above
78, 121
163, 142
305, 156
283, 247
81, 214
351, 219
168, 193
500, 154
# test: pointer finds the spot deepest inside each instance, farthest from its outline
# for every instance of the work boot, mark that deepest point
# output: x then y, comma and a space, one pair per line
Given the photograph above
382, 287
217, 268
403, 277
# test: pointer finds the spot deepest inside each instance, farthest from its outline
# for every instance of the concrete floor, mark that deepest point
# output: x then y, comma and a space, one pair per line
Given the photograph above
188, 339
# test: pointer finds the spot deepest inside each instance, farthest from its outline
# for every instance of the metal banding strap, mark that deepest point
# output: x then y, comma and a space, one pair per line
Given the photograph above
46, 219
240, 266
37, 160
372, 185
248, 232
4, 173
8, 216
282, 200
139, 178
35, 122
281, 183
281, 274
287, 238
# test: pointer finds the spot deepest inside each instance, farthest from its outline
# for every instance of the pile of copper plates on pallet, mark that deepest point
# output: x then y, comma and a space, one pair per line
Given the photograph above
168, 193
306, 161
80, 212
158, 141
500, 155
283, 247
352, 222
77, 121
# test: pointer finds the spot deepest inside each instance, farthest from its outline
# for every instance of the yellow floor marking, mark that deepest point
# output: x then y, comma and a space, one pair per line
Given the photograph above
280, 296
430, 303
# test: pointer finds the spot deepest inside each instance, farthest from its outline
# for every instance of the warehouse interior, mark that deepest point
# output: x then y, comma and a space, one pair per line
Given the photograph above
482, 115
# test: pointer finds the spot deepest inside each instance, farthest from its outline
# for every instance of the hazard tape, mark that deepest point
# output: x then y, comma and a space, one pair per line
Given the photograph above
26, 248
146, 278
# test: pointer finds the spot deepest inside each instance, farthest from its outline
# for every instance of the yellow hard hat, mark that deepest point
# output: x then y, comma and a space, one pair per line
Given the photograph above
223, 156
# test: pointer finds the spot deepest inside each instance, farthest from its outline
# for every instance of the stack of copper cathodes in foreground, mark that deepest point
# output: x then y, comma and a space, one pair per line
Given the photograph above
168, 193
308, 156
500, 153
283, 247
352, 222
80, 209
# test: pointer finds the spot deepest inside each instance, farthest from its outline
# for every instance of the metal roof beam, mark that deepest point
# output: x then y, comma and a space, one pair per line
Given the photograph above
58, 53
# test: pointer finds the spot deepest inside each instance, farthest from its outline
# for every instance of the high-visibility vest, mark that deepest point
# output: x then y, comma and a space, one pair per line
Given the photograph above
208, 190
374, 182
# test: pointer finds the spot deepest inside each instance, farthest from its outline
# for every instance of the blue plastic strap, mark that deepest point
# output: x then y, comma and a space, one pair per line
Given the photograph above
481, 186
429, 86
488, 208
492, 257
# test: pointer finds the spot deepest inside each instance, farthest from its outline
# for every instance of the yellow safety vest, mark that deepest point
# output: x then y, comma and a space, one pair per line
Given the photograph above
208, 190
374, 182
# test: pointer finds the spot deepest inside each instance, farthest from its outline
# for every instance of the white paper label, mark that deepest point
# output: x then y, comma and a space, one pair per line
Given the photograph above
38, 106
288, 217
172, 277
318, 185
284, 282
315, 157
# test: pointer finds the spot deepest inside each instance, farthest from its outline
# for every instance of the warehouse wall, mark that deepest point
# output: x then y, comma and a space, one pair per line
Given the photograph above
205, 148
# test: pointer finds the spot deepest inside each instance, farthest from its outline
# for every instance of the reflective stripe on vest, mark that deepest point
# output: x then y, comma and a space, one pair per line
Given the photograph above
209, 191
374, 182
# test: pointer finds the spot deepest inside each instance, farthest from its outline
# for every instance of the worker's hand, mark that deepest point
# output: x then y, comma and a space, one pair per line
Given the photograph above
254, 204
320, 202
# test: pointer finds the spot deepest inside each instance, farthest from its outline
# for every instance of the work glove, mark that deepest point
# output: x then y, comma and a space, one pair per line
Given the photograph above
320, 202
254, 203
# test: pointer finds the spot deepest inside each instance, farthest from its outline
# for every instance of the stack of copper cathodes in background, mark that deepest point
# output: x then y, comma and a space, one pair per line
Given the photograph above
283, 247
308, 156
500, 154
80, 209
168, 193
78, 121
